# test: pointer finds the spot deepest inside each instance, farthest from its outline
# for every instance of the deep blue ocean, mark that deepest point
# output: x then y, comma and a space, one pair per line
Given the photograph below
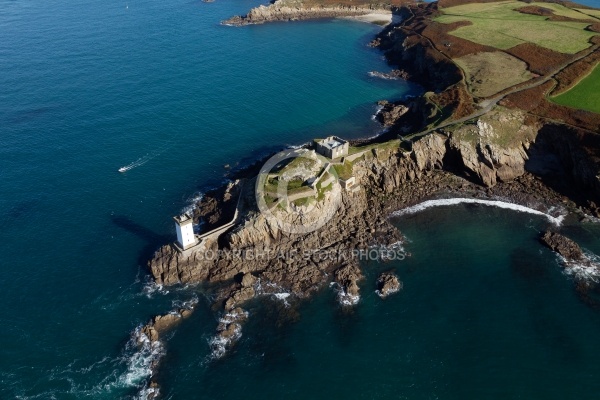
91, 86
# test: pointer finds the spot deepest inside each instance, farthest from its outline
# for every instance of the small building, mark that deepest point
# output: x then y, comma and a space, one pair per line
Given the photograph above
348, 183
185, 231
332, 147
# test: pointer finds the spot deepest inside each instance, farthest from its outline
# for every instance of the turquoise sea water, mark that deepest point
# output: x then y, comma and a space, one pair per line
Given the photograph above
89, 87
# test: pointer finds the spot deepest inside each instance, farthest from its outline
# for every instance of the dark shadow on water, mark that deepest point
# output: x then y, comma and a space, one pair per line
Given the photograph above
269, 330
526, 265
152, 240
30, 114
533, 278
347, 323
22, 209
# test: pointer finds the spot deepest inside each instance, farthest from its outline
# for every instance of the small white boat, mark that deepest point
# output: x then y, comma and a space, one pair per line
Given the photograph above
122, 169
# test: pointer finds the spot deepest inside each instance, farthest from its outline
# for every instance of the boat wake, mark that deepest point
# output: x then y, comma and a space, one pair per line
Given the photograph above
143, 160
493, 203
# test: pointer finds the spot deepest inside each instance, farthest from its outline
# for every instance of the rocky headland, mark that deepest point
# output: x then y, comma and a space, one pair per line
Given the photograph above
450, 145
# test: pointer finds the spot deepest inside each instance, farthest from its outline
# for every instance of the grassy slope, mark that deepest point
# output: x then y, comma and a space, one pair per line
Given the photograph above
585, 95
499, 25
491, 72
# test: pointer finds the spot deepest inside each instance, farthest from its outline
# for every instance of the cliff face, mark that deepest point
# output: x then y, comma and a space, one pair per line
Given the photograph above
404, 47
495, 148
286, 10
577, 151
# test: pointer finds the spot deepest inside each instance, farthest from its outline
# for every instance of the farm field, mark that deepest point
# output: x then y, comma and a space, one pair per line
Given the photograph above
499, 25
594, 13
491, 72
585, 95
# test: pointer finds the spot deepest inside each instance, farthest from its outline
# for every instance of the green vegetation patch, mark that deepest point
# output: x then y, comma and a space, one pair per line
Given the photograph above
500, 25
344, 171
585, 95
392, 144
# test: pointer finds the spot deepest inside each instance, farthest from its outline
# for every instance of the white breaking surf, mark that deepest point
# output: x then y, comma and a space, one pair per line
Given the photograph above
493, 203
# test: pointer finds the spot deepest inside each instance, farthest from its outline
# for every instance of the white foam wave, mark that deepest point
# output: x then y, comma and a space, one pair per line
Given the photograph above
588, 270
150, 288
345, 299
146, 355
187, 304
296, 146
493, 203
382, 75
377, 111
192, 202
283, 297
219, 343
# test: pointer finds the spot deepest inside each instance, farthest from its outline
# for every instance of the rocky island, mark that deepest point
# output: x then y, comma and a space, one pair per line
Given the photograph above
493, 124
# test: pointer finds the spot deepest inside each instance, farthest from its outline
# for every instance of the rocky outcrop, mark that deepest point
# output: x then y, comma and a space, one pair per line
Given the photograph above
239, 296
584, 269
287, 10
392, 75
163, 323
390, 113
563, 246
388, 283
347, 278
494, 149
229, 331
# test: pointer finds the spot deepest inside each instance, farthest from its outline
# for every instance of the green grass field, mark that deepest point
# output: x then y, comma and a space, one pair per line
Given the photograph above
499, 25
585, 95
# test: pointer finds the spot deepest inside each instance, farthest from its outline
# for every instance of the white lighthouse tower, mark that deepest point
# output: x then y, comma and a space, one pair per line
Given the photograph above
185, 231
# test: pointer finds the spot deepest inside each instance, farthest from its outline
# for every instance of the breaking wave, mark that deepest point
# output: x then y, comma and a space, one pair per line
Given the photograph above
146, 354
345, 299
221, 342
493, 203
585, 271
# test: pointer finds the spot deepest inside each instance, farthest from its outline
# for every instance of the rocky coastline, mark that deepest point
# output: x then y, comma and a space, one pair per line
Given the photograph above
543, 165
289, 10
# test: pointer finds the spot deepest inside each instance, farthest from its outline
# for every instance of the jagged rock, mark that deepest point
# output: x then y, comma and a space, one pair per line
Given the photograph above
390, 112
388, 283
163, 323
150, 332
348, 276
563, 246
239, 296
248, 280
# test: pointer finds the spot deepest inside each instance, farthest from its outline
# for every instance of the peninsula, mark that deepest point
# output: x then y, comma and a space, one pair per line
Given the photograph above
509, 114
